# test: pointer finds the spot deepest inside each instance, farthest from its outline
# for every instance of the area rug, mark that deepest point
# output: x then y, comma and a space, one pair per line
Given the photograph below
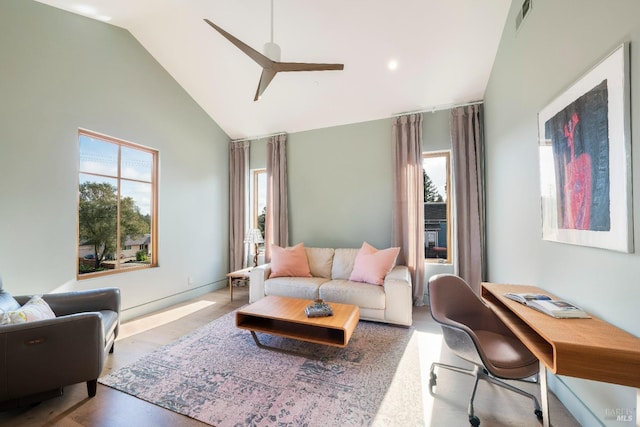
219, 376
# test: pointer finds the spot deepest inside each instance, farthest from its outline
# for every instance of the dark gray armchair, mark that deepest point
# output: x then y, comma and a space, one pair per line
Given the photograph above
38, 358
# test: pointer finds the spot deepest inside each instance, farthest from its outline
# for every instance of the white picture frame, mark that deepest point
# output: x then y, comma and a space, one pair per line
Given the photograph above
585, 159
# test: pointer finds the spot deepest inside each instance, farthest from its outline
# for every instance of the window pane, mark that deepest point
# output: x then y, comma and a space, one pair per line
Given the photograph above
436, 207
436, 170
135, 223
136, 164
98, 157
262, 192
259, 198
97, 216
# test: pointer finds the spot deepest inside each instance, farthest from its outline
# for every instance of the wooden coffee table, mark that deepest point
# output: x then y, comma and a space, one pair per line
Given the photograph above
285, 317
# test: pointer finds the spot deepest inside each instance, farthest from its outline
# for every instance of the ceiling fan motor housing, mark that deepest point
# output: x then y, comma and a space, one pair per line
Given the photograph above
272, 51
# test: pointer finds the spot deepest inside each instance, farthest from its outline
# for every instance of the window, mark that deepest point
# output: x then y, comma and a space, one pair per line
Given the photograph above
117, 205
437, 208
259, 200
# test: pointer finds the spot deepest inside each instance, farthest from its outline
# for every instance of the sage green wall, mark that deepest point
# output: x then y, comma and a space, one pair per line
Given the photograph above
558, 42
340, 185
340, 182
436, 131
59, 72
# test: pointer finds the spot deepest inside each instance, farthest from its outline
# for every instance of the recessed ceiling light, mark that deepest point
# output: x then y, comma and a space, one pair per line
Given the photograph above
86, 9
392, 64
90, 12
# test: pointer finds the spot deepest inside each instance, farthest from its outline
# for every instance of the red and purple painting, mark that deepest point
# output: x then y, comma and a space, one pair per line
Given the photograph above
579, 135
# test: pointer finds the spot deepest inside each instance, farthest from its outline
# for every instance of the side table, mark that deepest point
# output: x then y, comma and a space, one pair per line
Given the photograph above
243, 274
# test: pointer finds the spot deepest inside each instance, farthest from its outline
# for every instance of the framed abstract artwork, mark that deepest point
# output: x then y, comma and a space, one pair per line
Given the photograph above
585, 159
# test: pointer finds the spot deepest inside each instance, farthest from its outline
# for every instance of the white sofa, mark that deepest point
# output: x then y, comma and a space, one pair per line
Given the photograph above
331, 269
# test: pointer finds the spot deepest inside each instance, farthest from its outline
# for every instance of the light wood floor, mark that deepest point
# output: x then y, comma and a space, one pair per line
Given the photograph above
109, 407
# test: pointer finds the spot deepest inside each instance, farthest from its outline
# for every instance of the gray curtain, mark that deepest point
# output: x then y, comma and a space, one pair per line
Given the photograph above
277, 217
408, 204
468, 165
238, 198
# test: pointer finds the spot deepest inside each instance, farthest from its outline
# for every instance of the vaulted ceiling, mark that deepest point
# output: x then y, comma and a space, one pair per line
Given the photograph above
443, 51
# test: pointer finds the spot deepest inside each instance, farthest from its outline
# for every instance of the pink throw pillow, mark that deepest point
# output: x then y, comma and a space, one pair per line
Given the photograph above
372, 265
289, 262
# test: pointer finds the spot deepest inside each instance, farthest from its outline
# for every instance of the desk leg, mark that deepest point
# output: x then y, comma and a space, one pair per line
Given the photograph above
638, 407
231, 289
544, 395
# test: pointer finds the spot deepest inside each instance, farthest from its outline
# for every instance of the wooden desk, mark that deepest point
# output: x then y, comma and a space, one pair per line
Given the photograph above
585, 348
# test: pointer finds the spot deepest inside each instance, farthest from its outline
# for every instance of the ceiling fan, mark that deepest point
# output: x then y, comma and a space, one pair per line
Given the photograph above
270, 60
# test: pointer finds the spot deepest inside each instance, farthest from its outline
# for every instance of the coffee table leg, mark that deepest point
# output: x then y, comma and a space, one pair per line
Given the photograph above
282, 350
231, 289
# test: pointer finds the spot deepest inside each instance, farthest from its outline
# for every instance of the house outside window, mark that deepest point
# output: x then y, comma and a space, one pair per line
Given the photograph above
437, 206
117, 205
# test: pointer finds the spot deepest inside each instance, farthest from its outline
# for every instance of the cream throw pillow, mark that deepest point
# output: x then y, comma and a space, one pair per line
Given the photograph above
320, 261
34, 309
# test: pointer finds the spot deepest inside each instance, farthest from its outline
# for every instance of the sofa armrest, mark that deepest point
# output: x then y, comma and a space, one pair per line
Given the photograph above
47, 354
256, 281
65, 303
399, 296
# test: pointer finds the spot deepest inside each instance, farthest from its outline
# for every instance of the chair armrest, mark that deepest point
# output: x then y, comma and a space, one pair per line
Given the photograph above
65, 303
399, 296
256, 281
47, 354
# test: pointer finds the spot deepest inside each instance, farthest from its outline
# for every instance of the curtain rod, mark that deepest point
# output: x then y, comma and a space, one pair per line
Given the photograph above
426, 110
253, 138
438, 108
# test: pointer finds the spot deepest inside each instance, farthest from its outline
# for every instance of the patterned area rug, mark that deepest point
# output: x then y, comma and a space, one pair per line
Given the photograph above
219, 376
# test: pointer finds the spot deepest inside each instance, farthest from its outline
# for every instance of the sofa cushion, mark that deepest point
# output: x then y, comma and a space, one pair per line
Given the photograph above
343, 261
372, 265
320, 261
289, 262
361, 294
34, 309
294, 287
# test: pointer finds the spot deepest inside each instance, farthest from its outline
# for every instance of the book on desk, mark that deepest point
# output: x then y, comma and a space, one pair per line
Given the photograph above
551, 307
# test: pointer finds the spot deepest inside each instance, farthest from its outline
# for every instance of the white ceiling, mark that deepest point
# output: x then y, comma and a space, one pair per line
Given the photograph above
444, 50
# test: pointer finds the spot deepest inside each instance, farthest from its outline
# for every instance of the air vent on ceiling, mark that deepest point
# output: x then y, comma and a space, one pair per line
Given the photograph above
524, 11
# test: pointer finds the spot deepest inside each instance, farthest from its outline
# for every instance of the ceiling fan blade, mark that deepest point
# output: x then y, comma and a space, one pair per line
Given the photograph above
304, 66
270, 67
265, 78
261, 59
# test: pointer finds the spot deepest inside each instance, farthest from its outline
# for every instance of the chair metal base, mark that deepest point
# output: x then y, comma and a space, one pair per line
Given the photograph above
480, 373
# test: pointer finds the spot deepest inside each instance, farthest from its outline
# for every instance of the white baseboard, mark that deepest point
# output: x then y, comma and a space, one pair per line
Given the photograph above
162, 303
574, 405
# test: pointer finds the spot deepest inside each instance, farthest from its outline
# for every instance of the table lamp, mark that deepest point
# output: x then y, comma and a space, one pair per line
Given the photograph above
254, 236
